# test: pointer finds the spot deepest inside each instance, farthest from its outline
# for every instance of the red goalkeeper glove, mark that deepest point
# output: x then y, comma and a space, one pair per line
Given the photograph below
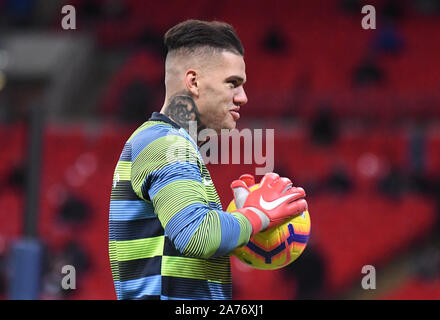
274, 201
241, 194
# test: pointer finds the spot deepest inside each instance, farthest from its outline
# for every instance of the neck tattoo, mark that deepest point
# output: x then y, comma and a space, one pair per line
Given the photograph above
182, 109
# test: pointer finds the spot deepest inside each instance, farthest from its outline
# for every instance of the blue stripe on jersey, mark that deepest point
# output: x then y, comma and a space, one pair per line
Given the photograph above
123, 210
215, 205
220, 290
135, 289
229, 239
146, 136
126, 152
190, 139
188, 219
172, 298
165, 175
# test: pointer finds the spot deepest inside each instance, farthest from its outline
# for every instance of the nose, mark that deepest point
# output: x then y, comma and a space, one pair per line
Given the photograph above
240, 97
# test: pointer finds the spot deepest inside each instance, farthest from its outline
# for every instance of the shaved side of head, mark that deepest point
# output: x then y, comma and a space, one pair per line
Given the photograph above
196, 45
178, 62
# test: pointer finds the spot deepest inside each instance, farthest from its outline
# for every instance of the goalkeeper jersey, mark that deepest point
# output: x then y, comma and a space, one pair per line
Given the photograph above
168, 235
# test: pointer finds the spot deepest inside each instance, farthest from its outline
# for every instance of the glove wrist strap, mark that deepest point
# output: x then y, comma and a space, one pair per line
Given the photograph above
253, 218
259, 221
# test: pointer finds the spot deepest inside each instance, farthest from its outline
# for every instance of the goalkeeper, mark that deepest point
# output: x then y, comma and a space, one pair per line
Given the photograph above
168, 235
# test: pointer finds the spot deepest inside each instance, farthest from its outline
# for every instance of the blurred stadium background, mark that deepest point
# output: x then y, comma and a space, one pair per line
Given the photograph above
356, 117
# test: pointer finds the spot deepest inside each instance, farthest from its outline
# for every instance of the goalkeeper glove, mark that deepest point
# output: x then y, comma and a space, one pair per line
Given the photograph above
274, 201
241, 194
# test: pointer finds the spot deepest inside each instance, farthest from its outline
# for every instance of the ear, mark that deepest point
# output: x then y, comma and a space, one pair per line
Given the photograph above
191, 82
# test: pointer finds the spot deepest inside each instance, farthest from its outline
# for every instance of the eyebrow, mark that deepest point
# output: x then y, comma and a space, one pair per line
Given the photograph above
236, 78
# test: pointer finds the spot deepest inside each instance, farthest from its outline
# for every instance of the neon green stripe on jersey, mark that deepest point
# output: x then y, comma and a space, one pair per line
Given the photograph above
136, 249
217, 270
113, 258
187, 191
207, 237
122, 171
202, 269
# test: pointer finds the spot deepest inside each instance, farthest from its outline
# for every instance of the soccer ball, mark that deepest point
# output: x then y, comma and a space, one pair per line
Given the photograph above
278, 246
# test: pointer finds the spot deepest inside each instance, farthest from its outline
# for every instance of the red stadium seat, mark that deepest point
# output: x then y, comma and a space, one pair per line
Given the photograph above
415, 289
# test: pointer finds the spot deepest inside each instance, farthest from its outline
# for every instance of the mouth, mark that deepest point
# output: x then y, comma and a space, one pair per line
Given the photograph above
235, 113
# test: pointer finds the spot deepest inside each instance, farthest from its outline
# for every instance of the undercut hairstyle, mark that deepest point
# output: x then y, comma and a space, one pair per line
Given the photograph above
191, 35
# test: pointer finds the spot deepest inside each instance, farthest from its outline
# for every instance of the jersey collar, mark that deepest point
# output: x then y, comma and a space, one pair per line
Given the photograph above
156, 116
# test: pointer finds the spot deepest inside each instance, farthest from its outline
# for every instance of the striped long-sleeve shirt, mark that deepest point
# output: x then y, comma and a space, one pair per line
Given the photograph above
168, 235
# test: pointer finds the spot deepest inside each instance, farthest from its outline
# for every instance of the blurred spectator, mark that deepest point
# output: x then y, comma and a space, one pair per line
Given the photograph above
113, 9
137, 101
427, 263
16, 179
3, 253
299, 93
17, 99
2, 278
152, 40
418, 181
428, 7
367, 73
20, 12
309, 273
76, 255
388, 40
51, 276
93, 11
135, 88
324, 127
435, 187
274, 41
392, 11
392, 184
417, 150
71, 254
351, 6
339, 181
74, 211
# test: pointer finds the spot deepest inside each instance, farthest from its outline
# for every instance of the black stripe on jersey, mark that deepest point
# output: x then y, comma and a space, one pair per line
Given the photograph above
147, 297
135, 229
144, 189
185, 288
139, 268
170, 250
123, 191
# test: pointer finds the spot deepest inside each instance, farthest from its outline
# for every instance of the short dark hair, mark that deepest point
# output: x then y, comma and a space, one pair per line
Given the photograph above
193, 34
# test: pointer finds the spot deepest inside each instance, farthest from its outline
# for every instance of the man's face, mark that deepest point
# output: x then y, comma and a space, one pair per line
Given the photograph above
221, 92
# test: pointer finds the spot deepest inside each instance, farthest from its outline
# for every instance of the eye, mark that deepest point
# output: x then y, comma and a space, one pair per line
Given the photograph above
233, 83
